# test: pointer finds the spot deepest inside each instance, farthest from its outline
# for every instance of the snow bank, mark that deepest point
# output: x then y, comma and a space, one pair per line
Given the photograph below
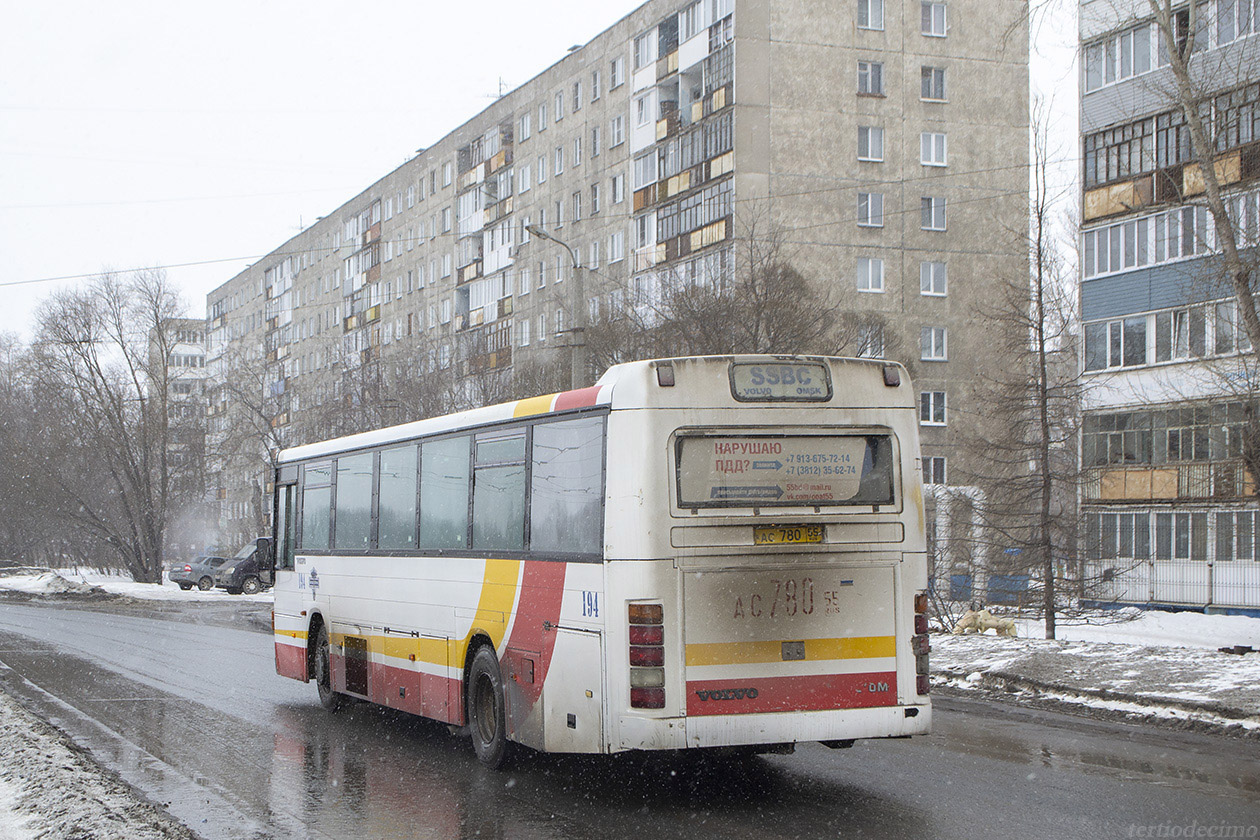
82, 583
51, 788
1159, 665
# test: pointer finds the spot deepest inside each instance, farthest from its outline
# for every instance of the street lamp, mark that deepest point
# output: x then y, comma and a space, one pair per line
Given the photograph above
577, 343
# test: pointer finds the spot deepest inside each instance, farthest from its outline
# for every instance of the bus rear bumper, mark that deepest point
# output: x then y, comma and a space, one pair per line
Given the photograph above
774, 728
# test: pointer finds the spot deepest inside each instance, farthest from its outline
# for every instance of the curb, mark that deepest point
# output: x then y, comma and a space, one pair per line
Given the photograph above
1213, 718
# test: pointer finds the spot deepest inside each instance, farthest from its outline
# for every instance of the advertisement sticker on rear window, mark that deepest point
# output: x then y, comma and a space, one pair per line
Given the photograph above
763, 471
780, 382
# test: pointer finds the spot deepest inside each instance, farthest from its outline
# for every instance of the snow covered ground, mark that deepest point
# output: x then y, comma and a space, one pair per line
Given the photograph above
49, 788
1133, 664
81, 583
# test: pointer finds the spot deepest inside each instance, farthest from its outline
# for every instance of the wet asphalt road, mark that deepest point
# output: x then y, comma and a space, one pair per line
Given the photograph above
187, 707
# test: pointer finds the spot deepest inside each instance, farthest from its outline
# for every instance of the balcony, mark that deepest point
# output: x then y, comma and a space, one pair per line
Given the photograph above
1169, 482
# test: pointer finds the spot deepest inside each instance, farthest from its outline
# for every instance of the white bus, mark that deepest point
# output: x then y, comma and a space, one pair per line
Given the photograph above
695, 552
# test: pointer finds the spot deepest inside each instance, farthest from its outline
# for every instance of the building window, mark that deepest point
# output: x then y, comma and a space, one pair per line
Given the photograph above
933, 22
617, 73
595, 86
934, 470
617, 131
932, 213
542, 117
932, 148
870, 78
446, 174
932, 344
577, 206
559, 159
526, 126
617, 247
559, 107
1116, 344
932, 408
870, 143
594, 199
933, 83
595, 142
523, 327
1118, 57
870, 341
932, 278
540, 169
618, 189
870, 274
577, 96
870, 14
643, 110
644, 50
870, 209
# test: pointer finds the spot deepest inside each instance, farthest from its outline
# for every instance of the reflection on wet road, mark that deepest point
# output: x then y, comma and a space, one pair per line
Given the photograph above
195, 716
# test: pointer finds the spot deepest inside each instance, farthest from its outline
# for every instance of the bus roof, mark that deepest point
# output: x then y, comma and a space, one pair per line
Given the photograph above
638, 385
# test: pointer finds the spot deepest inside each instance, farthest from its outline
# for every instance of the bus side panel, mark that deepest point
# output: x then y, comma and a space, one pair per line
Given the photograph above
290, 627
557, 601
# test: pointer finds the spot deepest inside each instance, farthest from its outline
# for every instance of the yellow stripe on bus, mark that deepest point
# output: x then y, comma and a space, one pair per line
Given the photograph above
748, 653
432, 651
498, 596
534, 405
293, 634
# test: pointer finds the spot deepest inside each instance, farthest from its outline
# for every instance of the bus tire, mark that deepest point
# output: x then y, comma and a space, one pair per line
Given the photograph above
328, 698
487, 719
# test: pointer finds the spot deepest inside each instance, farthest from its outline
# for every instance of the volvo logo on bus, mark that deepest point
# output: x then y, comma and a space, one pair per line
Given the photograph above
728, 694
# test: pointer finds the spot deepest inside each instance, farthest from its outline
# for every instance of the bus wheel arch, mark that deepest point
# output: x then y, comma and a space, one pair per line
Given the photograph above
485, 707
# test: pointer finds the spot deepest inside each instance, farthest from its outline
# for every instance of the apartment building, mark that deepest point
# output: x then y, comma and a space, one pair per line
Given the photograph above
1170, 511
886, 143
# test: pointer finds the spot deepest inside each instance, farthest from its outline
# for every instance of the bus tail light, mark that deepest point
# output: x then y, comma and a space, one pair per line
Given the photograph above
647, 656
920, 645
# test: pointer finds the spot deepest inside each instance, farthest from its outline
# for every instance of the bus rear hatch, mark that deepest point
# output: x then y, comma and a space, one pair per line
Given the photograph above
789, 640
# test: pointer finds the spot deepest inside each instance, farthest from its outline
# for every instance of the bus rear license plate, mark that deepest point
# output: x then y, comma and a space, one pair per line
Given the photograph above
787, 534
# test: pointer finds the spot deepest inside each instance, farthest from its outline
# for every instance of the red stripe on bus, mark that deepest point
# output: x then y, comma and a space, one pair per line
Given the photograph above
791, 694
413, 691
581, 398
291, 661
542, 591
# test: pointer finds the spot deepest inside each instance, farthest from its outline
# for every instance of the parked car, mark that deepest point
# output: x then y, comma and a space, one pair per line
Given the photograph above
249, 571
198, 572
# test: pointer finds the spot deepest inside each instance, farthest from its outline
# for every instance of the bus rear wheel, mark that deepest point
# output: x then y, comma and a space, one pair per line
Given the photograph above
328, 698
486, 715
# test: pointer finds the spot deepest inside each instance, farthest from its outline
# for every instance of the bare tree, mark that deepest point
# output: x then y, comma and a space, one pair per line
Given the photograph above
760, 303
1028, 442
101, 368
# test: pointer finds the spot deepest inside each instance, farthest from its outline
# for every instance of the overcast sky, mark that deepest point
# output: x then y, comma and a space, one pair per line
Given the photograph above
143, 133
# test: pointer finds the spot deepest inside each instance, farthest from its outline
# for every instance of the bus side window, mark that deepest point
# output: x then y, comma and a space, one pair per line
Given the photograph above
352, 528
286, 526
499, 493
397, 501
316, 506
567, 487
444, 481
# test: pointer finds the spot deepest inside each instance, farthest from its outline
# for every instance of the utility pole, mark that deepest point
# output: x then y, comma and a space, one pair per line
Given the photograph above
577, 296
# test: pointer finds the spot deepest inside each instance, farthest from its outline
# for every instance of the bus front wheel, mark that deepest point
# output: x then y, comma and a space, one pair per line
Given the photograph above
486, 715
328, 698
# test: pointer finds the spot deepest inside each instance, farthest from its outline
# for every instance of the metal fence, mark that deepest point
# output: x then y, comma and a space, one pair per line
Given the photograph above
1224, 584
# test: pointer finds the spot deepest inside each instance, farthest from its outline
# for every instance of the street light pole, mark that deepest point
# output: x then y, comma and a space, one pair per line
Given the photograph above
577, 342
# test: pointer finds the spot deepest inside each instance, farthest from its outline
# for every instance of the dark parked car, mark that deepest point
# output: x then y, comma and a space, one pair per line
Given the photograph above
249, 571
198, 572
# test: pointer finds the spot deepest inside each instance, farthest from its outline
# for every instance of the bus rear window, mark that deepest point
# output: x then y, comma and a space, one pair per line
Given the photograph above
784, 470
